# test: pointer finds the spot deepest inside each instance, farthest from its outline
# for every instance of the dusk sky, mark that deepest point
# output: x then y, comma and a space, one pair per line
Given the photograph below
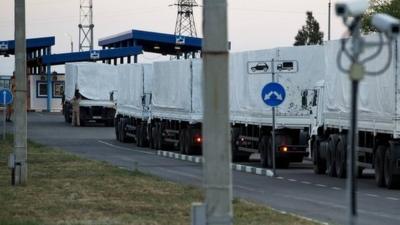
253, 24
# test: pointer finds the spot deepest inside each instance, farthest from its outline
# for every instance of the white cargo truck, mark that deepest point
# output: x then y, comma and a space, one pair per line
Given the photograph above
296, 70
378, 119
161, 105
95, 83
133, 104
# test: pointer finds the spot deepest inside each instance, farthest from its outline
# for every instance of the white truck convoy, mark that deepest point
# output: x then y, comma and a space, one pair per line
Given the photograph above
160, 105
94, 82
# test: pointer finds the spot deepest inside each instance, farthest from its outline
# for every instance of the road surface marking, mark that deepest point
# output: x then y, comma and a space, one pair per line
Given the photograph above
280, 178
320, 185
182, 174
305, 182
336, 188
292, 180
124, 149
391, 198
372, 195
246, 188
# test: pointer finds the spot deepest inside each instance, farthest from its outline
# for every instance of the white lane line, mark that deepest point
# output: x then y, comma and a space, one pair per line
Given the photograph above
280, 178
124, 149
320, 185
305, 182
182, 174
292, 180
391, 198
372, 195
336, 188
246, 188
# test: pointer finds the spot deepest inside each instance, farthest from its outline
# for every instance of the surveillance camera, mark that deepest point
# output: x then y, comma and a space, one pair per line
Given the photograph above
351, 8
386, 24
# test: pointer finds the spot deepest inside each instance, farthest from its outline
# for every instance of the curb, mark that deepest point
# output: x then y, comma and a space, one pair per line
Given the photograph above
234, 166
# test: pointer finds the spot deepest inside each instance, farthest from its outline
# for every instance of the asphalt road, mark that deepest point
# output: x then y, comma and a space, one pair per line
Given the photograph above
296, 190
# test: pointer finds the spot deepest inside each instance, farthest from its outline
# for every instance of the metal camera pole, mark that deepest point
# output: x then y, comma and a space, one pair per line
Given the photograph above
273, 125
356, 74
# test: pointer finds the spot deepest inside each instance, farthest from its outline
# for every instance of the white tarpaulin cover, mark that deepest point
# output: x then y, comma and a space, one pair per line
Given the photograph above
376, 93
134, 82
94, 81
246, 104
176, 90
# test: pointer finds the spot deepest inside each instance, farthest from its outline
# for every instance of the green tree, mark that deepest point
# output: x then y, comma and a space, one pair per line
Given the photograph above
309, 34
391, 7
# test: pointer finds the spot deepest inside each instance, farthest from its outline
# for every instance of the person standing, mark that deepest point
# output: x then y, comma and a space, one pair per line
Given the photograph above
75, 109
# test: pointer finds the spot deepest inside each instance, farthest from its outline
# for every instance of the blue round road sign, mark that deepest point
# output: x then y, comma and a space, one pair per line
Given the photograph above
273, 94
6, 95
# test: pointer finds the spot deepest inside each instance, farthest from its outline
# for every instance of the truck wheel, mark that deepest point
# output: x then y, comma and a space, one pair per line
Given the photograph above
263, 149
139, 138
392, 181
319, 163
236, 156
122, 133
341, 150
159, 139
378, 165
330, 156
116, 128
182, 139
153, 138
189, 142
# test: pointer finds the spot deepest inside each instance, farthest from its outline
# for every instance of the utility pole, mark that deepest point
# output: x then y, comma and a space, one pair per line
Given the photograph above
86, 25
216, 127
20, 176
185, 24
329, 20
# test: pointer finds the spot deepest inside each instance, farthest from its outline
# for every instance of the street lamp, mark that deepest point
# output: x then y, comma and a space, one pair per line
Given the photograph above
71, 41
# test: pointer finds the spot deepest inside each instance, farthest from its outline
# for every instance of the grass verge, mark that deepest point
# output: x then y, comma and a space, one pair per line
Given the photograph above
64, 189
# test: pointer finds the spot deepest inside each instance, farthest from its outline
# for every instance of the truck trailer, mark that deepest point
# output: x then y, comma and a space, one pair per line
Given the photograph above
295, 69
133, 104
160, 105
378, 119
95, 83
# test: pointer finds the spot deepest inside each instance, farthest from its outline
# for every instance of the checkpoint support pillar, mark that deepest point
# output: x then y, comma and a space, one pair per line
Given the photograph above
49, 84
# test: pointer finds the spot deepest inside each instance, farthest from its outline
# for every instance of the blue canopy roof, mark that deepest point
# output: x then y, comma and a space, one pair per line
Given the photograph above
32, 44
167, 44
96, 55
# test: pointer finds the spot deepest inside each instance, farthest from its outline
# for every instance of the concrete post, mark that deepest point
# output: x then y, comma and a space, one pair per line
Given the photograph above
20, 139
216, 127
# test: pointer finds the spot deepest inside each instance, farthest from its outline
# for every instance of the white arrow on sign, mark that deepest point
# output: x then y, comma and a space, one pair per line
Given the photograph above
273, 93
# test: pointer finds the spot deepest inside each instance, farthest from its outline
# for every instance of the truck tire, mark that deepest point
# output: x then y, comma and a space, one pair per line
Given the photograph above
182, 139
116, 128
330, 156
391, 181
189, 142
319, 163
158, 136
341, 156
139, 138
379, 165
122, 134
153, 137
237, 156
263, 149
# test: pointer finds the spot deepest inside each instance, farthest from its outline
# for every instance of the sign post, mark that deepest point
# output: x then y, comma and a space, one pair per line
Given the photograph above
6, 98
273, 94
